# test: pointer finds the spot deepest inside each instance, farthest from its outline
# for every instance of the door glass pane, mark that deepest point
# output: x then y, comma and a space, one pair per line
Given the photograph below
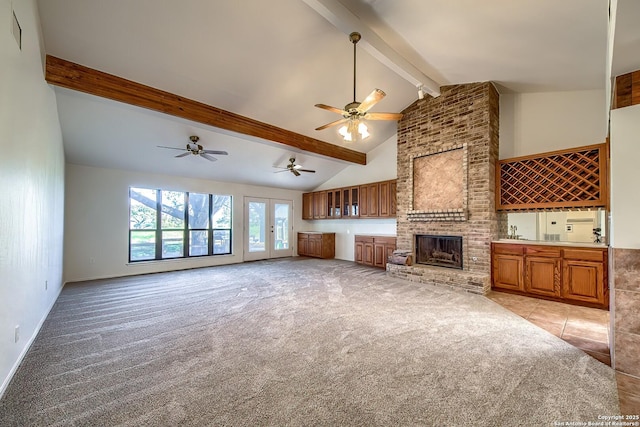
172, 244
198, 242
281, 223
257, 225
143, 245
198, 210
221, 242
172, 209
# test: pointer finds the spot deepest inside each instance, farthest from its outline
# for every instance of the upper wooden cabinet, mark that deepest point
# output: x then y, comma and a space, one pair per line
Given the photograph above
319, 205
334, 205
307, 206
574, 178
375, 200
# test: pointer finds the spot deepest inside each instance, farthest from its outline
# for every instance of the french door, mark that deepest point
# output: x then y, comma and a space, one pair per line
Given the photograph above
268, 228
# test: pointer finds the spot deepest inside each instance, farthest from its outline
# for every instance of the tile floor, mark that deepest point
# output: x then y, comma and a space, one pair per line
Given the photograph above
583, 327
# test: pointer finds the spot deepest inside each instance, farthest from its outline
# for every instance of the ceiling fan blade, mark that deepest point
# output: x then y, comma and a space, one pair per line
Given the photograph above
208, 157
170, 148
337, 122
183, 154
330, 108
372, 99
306, 170
283, 170
383, 116
221, 153
295, 172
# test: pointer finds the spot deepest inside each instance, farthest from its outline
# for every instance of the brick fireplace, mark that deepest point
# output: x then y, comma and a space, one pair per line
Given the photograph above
447, 152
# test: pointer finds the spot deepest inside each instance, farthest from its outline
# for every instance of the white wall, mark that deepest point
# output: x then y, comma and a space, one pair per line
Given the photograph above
532, 123
625, 194
97, 220
381, 165
32, 185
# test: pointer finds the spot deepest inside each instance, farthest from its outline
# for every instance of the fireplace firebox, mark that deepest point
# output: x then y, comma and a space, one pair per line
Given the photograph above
441, 251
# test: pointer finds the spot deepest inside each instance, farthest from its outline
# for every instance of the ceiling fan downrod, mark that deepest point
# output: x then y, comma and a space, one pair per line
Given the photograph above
355, 38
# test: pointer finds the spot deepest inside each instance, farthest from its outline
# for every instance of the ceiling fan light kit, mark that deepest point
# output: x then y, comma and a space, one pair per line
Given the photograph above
354, 113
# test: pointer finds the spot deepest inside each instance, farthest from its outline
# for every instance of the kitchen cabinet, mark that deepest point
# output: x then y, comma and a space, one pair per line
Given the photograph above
373, 200
576, 275
384, 202
307, 206
350, 199
507, 269
374, 250
316, 244
542, 270
583, 274
372, 192
319, 205
334, 207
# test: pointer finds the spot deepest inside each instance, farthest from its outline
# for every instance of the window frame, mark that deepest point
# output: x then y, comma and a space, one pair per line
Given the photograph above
186, 230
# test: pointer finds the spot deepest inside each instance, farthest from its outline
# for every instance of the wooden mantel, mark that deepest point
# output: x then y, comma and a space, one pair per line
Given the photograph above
74, 76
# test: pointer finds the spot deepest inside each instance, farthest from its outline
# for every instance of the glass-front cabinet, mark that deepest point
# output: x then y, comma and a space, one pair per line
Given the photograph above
350, 202
333, 204
343, 203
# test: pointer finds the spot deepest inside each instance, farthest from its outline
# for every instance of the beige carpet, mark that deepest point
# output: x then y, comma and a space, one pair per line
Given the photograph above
296, 342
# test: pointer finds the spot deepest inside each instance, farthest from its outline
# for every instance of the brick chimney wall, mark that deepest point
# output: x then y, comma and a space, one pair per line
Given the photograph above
464, 117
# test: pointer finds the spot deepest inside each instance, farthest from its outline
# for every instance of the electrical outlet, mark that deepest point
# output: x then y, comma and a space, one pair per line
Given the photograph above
17, 333
474, 259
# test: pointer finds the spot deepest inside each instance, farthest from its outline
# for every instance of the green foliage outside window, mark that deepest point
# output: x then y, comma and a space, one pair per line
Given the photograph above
191, 224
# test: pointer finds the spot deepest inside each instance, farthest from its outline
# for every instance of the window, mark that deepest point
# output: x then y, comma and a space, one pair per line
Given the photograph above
173, 224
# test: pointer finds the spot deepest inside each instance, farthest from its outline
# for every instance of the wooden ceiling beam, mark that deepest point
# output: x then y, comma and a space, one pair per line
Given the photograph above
60, 72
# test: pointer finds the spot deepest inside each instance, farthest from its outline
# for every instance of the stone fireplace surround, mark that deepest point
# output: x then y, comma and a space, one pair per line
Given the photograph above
464, 116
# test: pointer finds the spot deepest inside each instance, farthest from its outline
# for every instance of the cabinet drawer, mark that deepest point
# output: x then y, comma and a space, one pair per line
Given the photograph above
315, 236
585, 254
364, 239
507, 249
544, 251
384, 240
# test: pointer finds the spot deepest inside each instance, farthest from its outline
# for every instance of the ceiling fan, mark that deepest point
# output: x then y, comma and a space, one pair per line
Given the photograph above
196, 149
293, 168
354, 113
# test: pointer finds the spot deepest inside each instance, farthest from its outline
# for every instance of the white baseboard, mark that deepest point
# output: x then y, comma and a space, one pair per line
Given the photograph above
26, 348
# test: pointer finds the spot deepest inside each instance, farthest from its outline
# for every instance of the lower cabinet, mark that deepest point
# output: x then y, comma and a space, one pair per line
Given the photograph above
507, 272
542, 270
583, 274
374, 250
317, 244
574, 275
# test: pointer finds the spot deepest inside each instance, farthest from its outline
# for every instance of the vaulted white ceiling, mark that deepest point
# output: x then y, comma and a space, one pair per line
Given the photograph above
273, 60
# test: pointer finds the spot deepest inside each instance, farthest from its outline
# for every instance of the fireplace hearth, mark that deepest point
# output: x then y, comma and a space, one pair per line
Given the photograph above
441, 251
